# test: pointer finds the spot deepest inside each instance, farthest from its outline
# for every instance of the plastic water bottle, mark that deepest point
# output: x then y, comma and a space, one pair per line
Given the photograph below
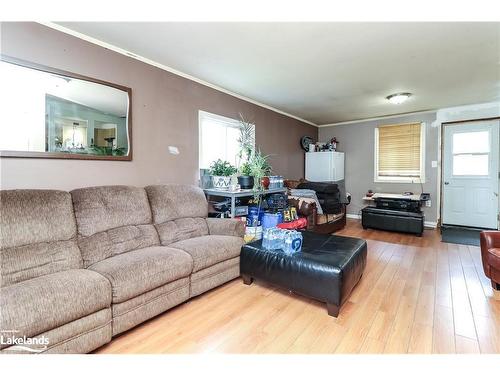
288, 240
281, 238
271, 242
292, 242
277, 239
265, 239
297, 241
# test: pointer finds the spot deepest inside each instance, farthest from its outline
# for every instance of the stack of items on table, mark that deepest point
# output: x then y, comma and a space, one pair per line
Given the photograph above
272, 212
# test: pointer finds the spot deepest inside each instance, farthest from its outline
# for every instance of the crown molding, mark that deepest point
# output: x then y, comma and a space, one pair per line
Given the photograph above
145, 60
377, 118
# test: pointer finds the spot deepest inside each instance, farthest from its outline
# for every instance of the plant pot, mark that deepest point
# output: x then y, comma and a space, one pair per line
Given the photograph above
245, 182
221, 182
265, 182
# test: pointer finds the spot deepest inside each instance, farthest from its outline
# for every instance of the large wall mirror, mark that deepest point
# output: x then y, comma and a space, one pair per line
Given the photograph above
48, 113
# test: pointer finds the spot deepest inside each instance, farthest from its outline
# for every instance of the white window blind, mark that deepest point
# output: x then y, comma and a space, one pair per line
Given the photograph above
399, 153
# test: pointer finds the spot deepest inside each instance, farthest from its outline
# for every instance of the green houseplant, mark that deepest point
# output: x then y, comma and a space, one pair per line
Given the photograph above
246, 142
221, 172
259, 167
245, 179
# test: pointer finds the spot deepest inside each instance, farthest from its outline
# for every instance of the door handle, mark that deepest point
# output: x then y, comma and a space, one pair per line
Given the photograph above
446, 183
496, 194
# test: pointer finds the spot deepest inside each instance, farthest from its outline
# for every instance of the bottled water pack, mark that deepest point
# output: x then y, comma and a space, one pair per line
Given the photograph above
290, 241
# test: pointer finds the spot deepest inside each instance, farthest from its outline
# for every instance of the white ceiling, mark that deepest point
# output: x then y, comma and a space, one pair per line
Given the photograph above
324, 72
103, 98
16, 78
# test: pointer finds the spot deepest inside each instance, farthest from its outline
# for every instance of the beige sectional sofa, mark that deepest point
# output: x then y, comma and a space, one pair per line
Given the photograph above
78, 268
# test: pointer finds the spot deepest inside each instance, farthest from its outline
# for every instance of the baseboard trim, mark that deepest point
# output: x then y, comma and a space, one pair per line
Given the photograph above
430, 224
427, 224
353, 216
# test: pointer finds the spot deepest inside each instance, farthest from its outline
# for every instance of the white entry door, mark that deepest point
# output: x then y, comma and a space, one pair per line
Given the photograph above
470, 174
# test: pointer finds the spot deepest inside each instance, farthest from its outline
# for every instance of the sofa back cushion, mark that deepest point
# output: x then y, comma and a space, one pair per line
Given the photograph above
37, 234
112, 220
173, 201
179, 211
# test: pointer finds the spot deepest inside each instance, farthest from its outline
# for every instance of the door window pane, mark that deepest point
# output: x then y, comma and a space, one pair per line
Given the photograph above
471, 142
470, 165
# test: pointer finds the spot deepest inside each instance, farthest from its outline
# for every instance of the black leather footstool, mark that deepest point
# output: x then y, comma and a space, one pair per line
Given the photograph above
327, 269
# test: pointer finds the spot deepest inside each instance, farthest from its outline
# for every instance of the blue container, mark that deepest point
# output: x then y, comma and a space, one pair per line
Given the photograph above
280, 216
261, 216
270, 220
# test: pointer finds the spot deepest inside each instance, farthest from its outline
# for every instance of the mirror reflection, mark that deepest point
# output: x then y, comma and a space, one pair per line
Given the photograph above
44, 112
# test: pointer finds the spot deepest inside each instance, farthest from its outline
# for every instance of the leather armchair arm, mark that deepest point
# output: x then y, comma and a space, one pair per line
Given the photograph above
489, 239
226, 227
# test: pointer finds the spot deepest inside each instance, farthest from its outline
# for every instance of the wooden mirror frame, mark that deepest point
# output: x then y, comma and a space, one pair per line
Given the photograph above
63, 155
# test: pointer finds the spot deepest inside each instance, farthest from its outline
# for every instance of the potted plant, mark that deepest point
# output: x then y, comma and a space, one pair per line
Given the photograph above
245, 179
259, 166
221, 172
246, 143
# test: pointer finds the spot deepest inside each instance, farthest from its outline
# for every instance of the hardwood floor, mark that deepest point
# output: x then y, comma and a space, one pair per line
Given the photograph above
417, 295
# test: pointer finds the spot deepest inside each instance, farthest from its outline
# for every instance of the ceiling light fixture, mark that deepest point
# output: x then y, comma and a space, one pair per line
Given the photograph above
398, 98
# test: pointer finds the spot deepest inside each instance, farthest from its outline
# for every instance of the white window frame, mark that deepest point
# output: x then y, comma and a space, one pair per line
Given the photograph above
402, 179
229, 122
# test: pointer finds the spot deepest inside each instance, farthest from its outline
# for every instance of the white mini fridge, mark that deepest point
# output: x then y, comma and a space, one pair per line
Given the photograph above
324, 166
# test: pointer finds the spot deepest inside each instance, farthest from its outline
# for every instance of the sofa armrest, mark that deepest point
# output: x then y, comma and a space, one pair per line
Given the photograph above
489, 240
226, 227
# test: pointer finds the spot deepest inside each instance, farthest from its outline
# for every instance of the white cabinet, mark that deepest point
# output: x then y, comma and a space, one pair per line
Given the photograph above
324, 166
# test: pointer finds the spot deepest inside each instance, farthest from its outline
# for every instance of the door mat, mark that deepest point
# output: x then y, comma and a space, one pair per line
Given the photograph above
460, 235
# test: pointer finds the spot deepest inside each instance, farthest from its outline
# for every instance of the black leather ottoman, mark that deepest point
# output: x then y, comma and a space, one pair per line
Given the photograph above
327, 268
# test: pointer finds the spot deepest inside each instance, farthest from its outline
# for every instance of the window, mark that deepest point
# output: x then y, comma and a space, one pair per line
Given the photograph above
399, 153
218, 139
471, 153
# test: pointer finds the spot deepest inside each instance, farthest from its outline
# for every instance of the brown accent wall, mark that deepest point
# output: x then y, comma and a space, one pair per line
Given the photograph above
164, 112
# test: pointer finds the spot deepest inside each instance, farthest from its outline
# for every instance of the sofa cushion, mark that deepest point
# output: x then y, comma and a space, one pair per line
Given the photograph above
100, 208
112, 220
181, 229
226, 227
32, 216
172, 201
116, 241
29, 261
41, 304
140, 271
37, 234
209, 250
